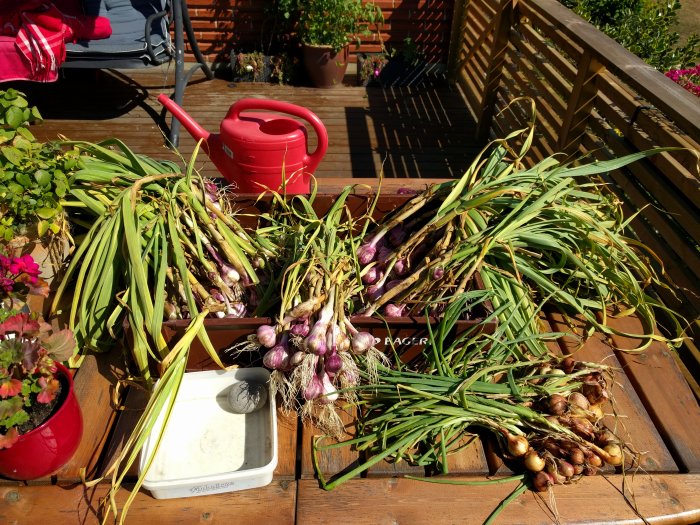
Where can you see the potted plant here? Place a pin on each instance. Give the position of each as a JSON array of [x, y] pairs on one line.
[[260, 67], [40, 420], [325, 29], [369, 69], [394, 67], [250, 67]]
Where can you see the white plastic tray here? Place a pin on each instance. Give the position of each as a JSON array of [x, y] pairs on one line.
[[206, 448]]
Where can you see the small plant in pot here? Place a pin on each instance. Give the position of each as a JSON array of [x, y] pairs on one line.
[[37, 403], [401, 66], [326, 28], [251, 67], [259, 67]]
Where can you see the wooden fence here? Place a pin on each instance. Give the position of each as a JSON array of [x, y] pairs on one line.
[[592, 97]]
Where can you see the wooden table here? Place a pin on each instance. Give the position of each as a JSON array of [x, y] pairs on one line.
[[660, 417]]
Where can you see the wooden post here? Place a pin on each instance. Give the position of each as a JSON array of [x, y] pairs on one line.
[[456, 38], [583, 94], [504, 21]]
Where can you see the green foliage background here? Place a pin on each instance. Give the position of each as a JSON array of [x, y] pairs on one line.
[[645, 27]]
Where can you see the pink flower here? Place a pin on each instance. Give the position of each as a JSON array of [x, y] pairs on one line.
[[17, 272], [24, 264], [689, 79]]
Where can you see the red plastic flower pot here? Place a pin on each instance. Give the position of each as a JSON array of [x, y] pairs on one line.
[[49, 446]]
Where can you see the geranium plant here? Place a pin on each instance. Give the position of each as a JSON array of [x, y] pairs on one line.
[[29, 386], [688, 79], [19, 276]]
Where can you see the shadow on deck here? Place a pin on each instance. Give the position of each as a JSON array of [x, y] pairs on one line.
[[409, 132]]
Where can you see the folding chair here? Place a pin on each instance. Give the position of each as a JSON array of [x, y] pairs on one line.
[[141, 38]]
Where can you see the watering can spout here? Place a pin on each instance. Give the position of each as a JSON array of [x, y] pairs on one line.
[[194, 129]]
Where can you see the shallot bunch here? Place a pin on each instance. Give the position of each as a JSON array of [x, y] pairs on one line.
[[576, 443], [313, 349]]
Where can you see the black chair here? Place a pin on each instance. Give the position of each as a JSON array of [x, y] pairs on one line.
[[141, 38]]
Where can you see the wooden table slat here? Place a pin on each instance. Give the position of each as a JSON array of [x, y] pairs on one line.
[[661, 499], [665, 394]]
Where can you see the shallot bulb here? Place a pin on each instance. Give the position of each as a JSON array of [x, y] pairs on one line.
[[361, 342], [367, 253], [276, 358], [229, 274], [517, 445], [401, 267], [313, 389], [375, 291], [297, 358], [394, 310], [236, 310], [301, 329], [384, 253], [371, 275], [333, 363], [393, 284], [316, 341], [397, 235], [170, 311], [266, 336], [341, 342], [330, 394]]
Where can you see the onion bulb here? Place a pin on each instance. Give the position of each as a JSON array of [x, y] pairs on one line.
[[517, 445], [614, 453], [557, 404], [579, 400], [533, 461], [541, 481]]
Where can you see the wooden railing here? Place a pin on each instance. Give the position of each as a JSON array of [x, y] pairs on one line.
[[592, 97]]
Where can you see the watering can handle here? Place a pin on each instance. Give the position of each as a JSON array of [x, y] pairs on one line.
[[246, 104]]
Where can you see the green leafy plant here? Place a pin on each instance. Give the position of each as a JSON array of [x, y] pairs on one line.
[[644, 27], [334, 23], [28, 352], [33, 174]]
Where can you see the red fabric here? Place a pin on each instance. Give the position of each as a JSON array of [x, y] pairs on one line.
[[41, 31], [42, 40]]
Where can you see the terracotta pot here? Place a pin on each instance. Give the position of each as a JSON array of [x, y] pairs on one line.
[[49, 446], [325, 68]]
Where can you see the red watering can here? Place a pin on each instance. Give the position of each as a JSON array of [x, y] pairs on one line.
[[257, 151]]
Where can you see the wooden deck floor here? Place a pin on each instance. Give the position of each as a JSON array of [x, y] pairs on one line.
[[416, 132]]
